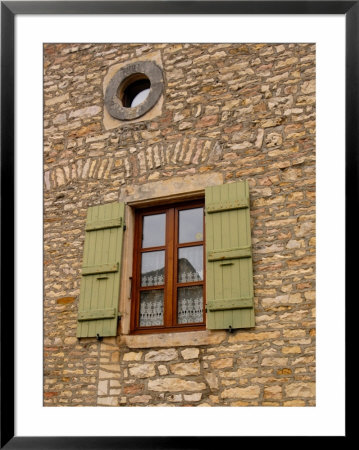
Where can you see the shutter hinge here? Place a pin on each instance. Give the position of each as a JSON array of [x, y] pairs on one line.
[[124, 227]]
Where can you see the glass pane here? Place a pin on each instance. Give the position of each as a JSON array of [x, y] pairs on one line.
[[153, 268], [190, 304], [190, 264], [190, 225], [140, 97], [151, 308], [154, 230]]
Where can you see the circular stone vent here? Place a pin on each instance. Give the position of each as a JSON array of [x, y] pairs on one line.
[[134, 90]]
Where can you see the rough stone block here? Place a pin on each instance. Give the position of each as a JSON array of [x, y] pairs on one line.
[[247, 392], [193, 397], [141, 399], [107, 401], [174, 385], [190, 353], [222, 363], [162, 355], [143, 371], [85, 112], [212, 380], [273, 392], [186, 368], [300, 390], [132, 356]]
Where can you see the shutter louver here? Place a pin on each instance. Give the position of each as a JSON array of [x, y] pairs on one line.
[[229, 285], [101, 271]]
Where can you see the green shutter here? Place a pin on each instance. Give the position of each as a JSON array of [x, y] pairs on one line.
[[229, 279], [101, 270]]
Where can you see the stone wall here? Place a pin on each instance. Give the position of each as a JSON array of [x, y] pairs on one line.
[[235, 111]]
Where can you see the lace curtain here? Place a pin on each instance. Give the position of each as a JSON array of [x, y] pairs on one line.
[[190, 304], [151, 308]]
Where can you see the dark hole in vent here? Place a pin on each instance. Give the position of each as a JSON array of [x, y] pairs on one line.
[[134, 90]]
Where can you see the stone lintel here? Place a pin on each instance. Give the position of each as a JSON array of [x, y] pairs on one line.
[[165, 189]]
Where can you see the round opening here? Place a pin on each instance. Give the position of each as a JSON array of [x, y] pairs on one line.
[[134, 90]]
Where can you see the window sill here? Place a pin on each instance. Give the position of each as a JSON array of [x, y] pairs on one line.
[[190, 338]]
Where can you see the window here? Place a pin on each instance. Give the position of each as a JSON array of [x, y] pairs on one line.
[[168, 284]]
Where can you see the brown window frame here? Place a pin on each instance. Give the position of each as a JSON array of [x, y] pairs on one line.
[[171, 284]]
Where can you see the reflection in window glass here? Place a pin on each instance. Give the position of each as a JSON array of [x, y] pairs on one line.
[[151, 308], [190, 304], [190, 225], [153, 268], [190, 264], [154, 230], [140, 97]]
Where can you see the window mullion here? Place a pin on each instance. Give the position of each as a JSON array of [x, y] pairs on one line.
[[169, 268]]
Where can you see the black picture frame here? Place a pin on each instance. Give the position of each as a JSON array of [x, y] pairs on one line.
[[9, 10]]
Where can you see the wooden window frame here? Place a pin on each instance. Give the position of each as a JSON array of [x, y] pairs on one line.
[[171, 266]]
